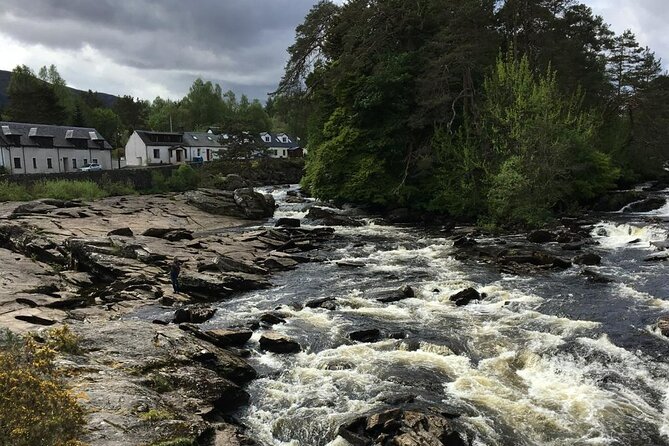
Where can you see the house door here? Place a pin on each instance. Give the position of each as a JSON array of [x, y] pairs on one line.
[[66, 165], [178, 156]]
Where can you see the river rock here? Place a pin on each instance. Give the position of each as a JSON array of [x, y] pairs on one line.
[[231, 182], [663, 325], [276, 343], [595, 277], [371, 335], [400, 215], [194, 315], [217, 286], [465, 296], [647, 205], [399, 427], [541, 236], [227, 337], [617, 200], [662, 245], [464, 241], [170, 234], [243, 203], [327, 303], [589, 259], [288, 222], [253, 204], [26, 241], [389, 296], [329, 217], [123, 232], [662, 256], [272, 319]]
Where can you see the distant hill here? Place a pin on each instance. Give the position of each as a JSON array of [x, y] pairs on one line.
[[107, 99]]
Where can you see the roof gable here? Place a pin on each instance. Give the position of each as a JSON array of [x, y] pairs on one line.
[[35, 135]]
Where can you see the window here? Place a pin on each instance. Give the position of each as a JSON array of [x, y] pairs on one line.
[[94, 161], [194, 137], [34, 163], [49, 164], [198, 152], [85, 161], [17, 163], [74, 163], [156, 153]]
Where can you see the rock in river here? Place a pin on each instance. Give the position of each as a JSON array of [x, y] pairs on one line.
[[274, 342], [465, 296], [371, 335]]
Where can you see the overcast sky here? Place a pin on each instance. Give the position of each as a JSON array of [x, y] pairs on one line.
[[149, 48]]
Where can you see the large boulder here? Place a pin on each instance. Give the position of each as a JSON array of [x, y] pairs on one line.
[[24, 240], [541, 236], [387, 296], [330, 217], [242, 203], [398, 427], [465, 296], [589, 258], [617, 200], [276, 343], [370, 335], [663, 325], [230, 182], [647, 205], [217, 286], [195, 315]]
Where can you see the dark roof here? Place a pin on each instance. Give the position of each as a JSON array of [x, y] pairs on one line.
[[30, 135], [160, 138], [276, 142], [201, 139]]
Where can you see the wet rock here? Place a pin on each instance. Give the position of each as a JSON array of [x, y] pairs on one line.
[[595, 277], [229, 264], [195, 315], [223, 337], [541, 236], [465, 296], [123, 232], [389, 296], [279, 263], [371, 335], [288, 222], [464, 242], [589, 259], [399, 427], [661, 245], [329, 217], [663, 325], [272, 319], [647, 205], [536, 258], [657, 257], [327, 303], [219, 286], [276, 343], [32, 208], [350, 264], [577, 246], [616, 201], [206, 389]]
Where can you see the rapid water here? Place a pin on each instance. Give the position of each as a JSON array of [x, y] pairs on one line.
[[547, 359]]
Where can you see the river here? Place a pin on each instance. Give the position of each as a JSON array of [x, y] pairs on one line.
[[545, 359]]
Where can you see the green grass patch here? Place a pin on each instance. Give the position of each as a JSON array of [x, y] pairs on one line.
[[154, 415]]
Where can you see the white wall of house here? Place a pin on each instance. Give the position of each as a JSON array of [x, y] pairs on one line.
[[135, 151], [278, 152], [51, 160]]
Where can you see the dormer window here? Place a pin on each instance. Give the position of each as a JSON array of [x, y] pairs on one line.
[[194, 137], [33, 132]]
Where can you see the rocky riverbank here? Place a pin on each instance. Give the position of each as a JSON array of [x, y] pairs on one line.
[[92, 265]]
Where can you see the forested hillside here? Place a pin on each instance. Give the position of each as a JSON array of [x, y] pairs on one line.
[[503, 111]]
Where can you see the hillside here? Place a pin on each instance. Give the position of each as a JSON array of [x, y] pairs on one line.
[[107, 99]]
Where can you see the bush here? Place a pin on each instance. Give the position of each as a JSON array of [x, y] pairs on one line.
[[115, 188], [62, 339], [13, 192], [36, 408], [183, 179], [68, 190]]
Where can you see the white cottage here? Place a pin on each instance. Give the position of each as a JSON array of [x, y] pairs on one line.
[[39, 148], [147, 148], [281, 145]]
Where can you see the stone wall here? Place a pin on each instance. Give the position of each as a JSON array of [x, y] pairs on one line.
[[140, 178]]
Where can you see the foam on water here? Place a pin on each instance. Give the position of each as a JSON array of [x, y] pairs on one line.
[[615, 236]]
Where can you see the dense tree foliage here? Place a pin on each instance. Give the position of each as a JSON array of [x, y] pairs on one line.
[[501, 110]]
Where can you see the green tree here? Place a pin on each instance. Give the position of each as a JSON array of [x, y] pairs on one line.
[[108, 124], [65, 98], [132, 112], [33, 100]]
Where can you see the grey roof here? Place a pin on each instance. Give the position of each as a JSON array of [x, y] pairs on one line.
[[63, 137], [201, 139], [276, 142], [160, 138]]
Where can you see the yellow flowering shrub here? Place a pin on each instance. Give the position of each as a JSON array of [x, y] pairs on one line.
[[36, 407]]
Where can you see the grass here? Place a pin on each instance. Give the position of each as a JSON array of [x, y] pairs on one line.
[[154, 415]]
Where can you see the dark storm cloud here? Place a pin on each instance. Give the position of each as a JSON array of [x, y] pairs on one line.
[[240, 42]]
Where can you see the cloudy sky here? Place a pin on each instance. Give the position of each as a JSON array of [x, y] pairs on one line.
[[149, 48]]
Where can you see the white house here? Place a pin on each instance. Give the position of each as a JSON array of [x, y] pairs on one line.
[[39, 148], [281, 145], [147, 148]]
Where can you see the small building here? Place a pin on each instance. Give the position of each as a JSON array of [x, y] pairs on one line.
[[148, 148], [281, 145], [40, 148]]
